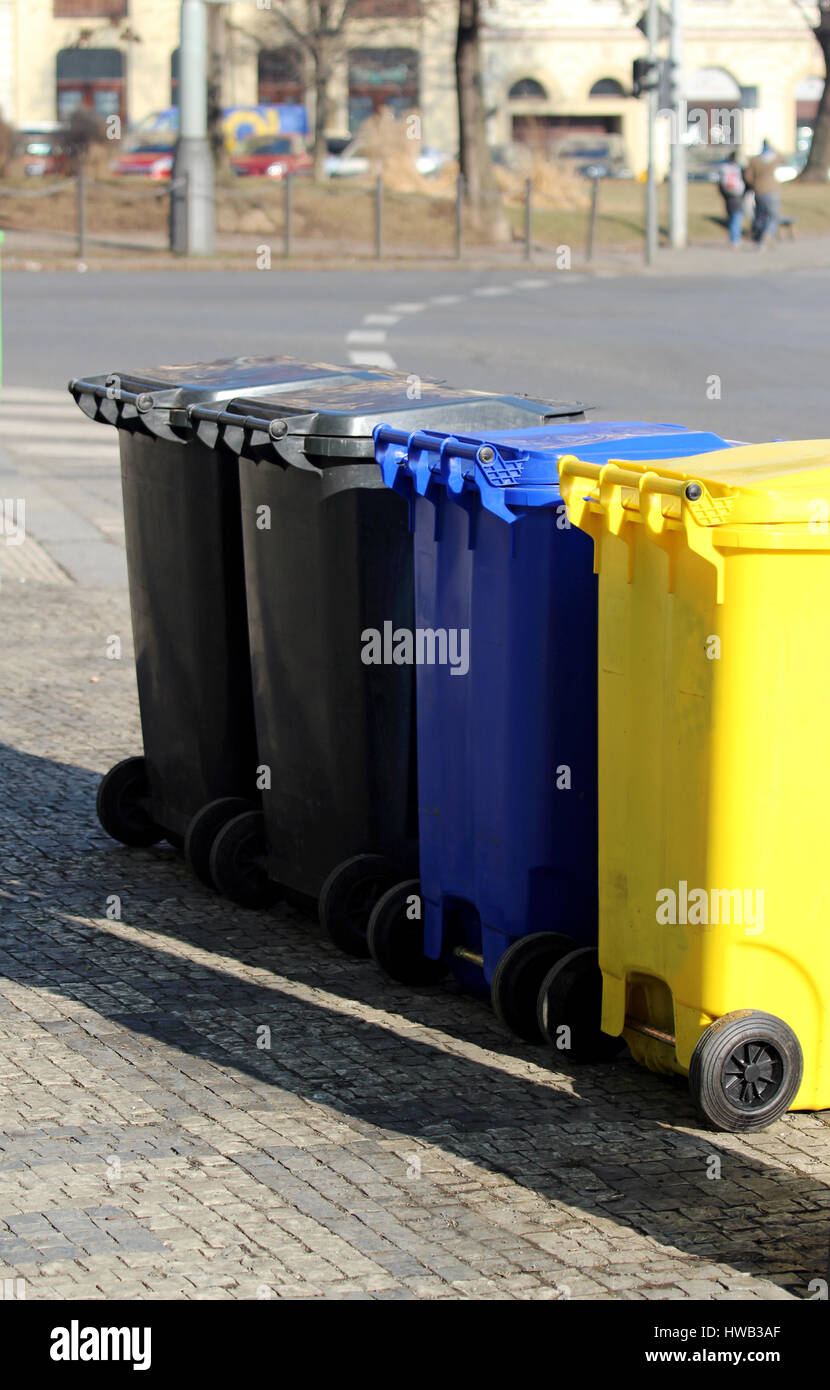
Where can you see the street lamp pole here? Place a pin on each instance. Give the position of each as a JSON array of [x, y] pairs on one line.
[[192, 205], [652, 100], [678, 219]]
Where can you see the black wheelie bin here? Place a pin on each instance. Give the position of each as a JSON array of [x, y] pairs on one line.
[[329, 569], [187, 596]]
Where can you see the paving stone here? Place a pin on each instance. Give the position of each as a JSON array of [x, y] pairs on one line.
[[148, 1149]]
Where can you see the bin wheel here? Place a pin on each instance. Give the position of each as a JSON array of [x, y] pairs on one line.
[[745, 1070], [237, 862], [348, 896], [121, 804], [518, 976], [570, 998], [203, 829], [396, 941]]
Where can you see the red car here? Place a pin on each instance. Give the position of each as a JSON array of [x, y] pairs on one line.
[[44, 153], [272, 156], [151, 161]]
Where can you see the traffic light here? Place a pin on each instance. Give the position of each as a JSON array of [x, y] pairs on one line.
[[645, 75], [668, 87]]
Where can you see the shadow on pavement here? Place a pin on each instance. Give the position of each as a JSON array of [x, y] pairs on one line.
[[608, 1149]]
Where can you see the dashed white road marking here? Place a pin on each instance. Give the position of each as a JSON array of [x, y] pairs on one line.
[[366, 335], [407, 308], [368, 358], [447, 299], [387, 319], [64, 426], [490, 291], [33, 393], [94, 451], [532, 284]]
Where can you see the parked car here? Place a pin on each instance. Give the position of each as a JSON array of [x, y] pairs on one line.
[[44, 151], [791, 168], [594, 157], [349, 160], [152, 161], [272, 156]]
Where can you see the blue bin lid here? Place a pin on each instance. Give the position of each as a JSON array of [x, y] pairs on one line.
[[517, 469]]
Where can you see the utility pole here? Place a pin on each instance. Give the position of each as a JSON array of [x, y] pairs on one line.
[[678, 221], [652, 100], [192, 205]]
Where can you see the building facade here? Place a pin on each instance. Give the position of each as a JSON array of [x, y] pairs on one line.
[[552, 68]]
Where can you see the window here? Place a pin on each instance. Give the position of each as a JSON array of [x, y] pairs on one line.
[[280, 76], [385, 9], [527, 88], [607, 87], [90, 9], [381, 77], [92, 78]]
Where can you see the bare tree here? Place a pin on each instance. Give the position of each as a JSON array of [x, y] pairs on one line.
[[818, 160], [317, 26], [480, 188]]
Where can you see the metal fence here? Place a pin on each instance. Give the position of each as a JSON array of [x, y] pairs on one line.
[[360, 221]]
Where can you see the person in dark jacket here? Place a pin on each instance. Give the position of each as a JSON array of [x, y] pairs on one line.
[[733, 190]]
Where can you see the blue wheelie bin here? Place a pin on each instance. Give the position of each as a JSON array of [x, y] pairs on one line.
[[506, 676]]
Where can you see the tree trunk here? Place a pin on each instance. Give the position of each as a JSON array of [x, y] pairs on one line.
[[215, 107], [476, 166], [818, 160], [322, 74]]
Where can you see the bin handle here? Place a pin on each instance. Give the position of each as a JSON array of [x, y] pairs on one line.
[[602, 512], [142, 400], [422, 457]]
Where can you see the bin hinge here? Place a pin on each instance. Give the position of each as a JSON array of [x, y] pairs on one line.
[[620, 498]]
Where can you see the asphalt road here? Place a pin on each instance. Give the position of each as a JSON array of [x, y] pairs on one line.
[[747, 357]]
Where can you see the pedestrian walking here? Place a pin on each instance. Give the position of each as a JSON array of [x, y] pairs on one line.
[[759, 175], [733, 190]]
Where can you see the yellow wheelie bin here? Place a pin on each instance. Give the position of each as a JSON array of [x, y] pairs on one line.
[[714, 769]]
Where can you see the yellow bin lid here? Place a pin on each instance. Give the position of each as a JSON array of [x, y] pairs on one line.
[[783, 489]]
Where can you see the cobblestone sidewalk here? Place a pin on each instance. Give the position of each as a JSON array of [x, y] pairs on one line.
[[390, 1143]]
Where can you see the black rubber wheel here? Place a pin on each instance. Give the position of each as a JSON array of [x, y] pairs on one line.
[[570, 998], [518, 976], [348, 896], [237, 862], [203, 829], [745, 1071], [121, 804], [396, 940]]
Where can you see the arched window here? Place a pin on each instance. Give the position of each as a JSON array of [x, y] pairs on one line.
[[607, 87], [381, 77], [527, 89], [92, 78], [280, 76], [713, 107], [807, 97]]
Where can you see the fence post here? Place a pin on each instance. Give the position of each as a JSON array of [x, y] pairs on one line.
[[81, 209], [178, 207], [379, 217], [459, 215], [592, 220], [528, 219], [287, 228]]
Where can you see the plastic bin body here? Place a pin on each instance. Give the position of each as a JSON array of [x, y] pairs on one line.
[[714, 747], [186, 575], [328, 558], [506, 751]]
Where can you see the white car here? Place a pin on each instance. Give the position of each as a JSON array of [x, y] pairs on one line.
[[349, 161]]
